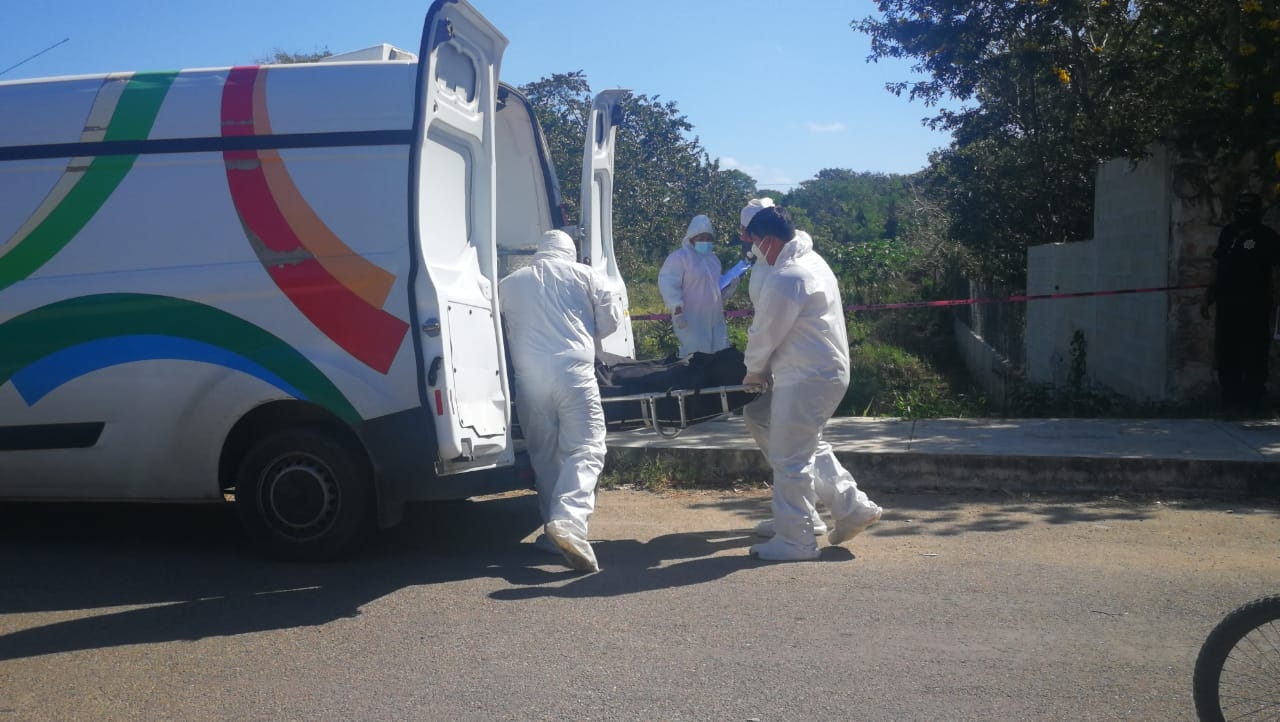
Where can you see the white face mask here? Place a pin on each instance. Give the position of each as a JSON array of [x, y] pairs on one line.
[[758, 252]]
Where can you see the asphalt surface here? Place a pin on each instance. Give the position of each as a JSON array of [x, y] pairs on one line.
[[953, 607]]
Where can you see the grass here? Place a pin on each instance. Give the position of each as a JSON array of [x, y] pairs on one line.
[[886, 380], [636, 469], [904, 364]]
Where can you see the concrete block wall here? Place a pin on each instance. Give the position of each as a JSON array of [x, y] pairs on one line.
[[1156, 224], [1132, 230], [1126, 336], [1058, 268]]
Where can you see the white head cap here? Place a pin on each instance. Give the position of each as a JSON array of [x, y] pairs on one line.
[[698, 226], [556, 244], [752, 208]]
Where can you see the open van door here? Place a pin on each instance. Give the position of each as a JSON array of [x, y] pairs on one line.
[[453, 218], [596, 224]]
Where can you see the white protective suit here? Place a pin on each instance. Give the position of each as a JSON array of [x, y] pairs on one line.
[[798, 335], [759, 269], [691, 281], [555, 308]]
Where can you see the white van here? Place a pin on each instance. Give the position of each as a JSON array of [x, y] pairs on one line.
[[277, 282]]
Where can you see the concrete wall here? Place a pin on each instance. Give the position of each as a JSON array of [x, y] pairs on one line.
[[1199, 195], [1196, 225], [987, 368], [1127, 336], [1058, 268]]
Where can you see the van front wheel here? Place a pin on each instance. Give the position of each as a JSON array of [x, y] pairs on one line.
[[303, 495]]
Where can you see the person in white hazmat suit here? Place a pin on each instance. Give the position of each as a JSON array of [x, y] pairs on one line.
[[555, 309], [798, 347], [759, 271], [690, 286]]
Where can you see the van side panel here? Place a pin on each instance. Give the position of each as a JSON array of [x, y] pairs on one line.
[[215, 240]]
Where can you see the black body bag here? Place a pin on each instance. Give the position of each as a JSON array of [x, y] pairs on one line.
[[695, 373]]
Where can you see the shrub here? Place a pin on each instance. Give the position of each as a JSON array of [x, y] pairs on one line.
[[885, 380]]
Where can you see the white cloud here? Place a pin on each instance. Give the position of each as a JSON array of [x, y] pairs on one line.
[[765, 177], [825, 127]]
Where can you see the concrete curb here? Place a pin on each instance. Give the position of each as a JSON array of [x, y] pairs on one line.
[[1191, 458]]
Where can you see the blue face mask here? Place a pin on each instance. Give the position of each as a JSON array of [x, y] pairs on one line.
[[702, 246]]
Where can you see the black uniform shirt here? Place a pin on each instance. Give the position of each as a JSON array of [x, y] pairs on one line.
[[1245, 258]]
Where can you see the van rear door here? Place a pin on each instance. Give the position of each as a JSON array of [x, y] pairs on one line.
[[452, 210], [596, 206]]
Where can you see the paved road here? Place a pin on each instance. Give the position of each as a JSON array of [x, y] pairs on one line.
[[955, 607]]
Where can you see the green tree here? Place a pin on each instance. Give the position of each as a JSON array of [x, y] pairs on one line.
[[662, 175], [561, 103], [1047, 90], [283, 57], [847, 207], [662, 178]]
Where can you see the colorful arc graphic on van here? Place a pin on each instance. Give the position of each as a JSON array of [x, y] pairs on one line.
[[44, 351], [124, 108], [334, 287], [367, 280]]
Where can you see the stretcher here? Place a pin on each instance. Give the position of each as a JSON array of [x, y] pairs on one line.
[[672, 411]]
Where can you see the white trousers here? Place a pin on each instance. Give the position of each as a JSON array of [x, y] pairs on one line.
[[563, 427], [787, 423], [705, 332]]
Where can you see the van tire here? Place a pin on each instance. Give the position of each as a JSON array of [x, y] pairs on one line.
[[304, 495]]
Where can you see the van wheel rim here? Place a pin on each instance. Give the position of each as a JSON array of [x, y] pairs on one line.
[[300, 496]]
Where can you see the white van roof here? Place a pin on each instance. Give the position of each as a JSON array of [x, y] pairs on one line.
[[381, 51]]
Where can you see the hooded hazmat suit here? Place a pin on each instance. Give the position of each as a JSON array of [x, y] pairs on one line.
[[759, 269], [690, 281], [555, 309], [798, 336]]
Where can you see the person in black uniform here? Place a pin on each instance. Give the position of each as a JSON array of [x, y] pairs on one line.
[[1247, 251]]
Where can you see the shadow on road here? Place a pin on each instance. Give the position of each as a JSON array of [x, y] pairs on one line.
[[184, 573], [950, 514], [629, 566], [164, 573]]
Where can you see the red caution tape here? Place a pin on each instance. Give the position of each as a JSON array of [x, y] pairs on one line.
[[957, 301]]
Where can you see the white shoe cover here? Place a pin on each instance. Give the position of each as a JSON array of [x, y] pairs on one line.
[[779, 550], [765, 528], [544, 544], [853, 524], [576, 550]]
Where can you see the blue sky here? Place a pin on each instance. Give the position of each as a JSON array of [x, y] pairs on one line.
[[778, 90]]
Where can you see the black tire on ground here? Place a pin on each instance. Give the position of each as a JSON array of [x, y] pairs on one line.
[[304, 495], [1253, 665]]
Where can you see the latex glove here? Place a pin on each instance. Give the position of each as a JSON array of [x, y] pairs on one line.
[[678, 320], [755, 380]]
